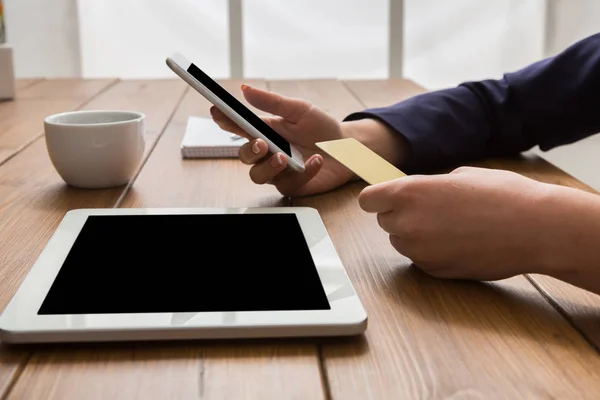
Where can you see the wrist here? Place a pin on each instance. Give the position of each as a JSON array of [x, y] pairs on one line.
[[570, 235], [378, 137]]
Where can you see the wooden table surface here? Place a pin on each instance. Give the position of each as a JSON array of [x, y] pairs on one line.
[[525, 337]]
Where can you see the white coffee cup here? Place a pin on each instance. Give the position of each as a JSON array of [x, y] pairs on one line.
[[96, 149]]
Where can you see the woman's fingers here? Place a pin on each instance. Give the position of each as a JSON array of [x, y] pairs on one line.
[[253, 151], [291, 183], [291, 109], [266, 170]]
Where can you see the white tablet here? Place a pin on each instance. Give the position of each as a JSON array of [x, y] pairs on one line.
[[166, 274]]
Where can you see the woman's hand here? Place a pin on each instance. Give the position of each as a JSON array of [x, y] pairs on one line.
[[300, 123], [485, 224]]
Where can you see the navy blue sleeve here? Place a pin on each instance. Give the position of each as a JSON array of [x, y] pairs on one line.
[[553, 102]]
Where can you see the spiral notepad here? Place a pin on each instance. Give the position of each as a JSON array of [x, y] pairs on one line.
[[204, 139]]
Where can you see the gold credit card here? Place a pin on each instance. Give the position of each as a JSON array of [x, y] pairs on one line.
[[361, 160]]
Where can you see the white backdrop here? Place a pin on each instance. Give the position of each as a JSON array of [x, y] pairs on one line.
[[132, 38], [446, 42]]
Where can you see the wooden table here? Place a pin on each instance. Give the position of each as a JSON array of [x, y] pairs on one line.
[[525, 337]]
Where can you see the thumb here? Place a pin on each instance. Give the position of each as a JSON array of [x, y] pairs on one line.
[[288, 108]]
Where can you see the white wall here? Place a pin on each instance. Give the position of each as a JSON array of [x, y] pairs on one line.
[[448, 42], [45, 37], [316, 38], [132, 38], [572, 20]]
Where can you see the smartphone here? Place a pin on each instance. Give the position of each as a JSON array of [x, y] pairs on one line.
[[251, 123]]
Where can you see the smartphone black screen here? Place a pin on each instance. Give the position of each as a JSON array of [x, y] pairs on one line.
[[239, 108]]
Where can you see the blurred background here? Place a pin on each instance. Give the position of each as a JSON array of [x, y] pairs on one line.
[[433, 42]]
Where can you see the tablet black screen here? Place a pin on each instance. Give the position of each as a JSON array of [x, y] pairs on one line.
[[187, 263]]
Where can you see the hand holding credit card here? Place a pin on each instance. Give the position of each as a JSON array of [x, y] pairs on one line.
[[361, 160]]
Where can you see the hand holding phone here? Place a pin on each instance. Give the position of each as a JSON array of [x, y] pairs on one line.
[[304, 125], [252, 124]]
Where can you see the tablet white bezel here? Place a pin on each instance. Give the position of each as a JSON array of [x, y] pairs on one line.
[[21, 323]]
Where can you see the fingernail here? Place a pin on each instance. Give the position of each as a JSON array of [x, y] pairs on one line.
[[244, 87], [316, 162], [276, 161], [255, 148]]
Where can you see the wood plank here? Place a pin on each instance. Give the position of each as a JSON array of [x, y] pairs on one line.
[[65, 89], [25, 83], [22, 119], [431, 338], [192, 370], [33, 198], [379, 93], [580, 307]]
